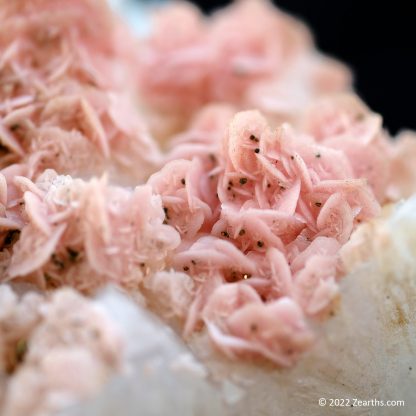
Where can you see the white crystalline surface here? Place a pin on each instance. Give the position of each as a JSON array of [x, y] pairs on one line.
[[161, 376]]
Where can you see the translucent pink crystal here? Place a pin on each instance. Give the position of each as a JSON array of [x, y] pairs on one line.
[[269, 167]]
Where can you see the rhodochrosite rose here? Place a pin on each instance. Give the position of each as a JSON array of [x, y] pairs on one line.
[[222, 174]]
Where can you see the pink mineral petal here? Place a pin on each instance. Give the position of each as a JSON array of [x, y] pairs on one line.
[[33, 250]]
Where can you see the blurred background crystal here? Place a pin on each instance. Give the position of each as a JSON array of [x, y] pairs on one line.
[[136, 13], [376, 41]]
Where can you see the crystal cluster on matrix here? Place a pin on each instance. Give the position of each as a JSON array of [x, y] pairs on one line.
[[212, 170]]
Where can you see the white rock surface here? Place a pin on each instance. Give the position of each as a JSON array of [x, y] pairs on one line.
[[161, 378]]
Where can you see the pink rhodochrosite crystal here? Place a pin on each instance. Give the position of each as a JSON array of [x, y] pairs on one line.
[[213, 171], [85, 234], [250, 55], [281, 204], [66, 96], [59, 348]]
